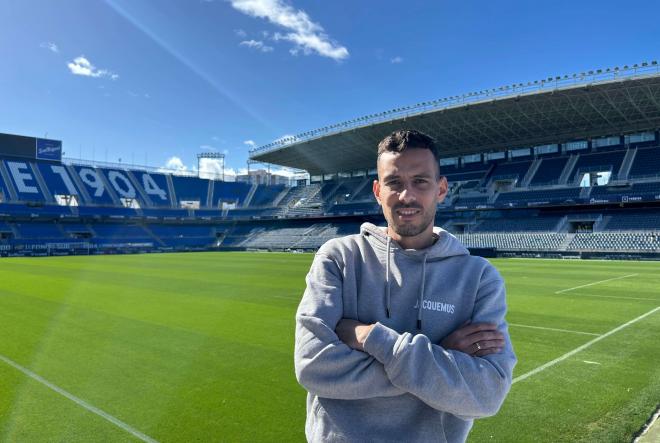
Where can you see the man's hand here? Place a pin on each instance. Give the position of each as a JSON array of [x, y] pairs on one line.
[[477, 339], [353, 333]]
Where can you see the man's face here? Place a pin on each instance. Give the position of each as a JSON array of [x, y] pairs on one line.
[[409, 188]]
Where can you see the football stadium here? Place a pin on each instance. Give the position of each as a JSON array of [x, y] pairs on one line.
[[153, 313]]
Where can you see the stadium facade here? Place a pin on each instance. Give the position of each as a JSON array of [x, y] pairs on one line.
[[567, 166]]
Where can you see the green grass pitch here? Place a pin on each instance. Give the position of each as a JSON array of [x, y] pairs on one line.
[[198, 347]]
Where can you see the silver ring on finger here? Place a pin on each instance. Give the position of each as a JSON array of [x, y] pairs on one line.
[[478, 346]]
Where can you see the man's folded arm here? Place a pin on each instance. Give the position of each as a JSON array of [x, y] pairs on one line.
[[447, 380], [325, 366]]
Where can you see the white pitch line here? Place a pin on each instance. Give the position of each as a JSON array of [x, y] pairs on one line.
[[595, 283], [552, 329], [583, 347], [617, 297], [79, 401]]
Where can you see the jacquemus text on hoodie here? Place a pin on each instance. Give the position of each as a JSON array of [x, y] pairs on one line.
[[404, 386]]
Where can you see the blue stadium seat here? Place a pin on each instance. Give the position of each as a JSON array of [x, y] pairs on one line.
[[510, 170], [122, 185], [549, 171], [94, 184], [4, 193], [24, 181], [230, 192], [155, 187], [191, 189], [57, 179], [601, 161], [265, 195], [540, 197], [646, 163]]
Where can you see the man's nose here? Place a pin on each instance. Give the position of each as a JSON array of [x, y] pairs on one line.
[[406, 196]]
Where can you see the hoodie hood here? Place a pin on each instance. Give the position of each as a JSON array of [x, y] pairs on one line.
[[446, 245]]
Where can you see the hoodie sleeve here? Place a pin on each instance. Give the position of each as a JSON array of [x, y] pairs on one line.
[[324, 365], [448, 380]]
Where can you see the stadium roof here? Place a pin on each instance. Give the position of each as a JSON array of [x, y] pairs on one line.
[[554, 110]]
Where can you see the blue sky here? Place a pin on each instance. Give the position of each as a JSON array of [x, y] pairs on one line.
[[146, 81]]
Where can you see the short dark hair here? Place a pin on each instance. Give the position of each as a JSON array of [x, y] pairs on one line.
[[403, 139]]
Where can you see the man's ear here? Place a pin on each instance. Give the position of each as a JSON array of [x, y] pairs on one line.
[[443, 188], [376, 188]]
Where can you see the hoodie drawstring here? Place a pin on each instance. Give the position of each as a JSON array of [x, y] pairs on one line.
[[388, 299], [387, 278], [421, 294]]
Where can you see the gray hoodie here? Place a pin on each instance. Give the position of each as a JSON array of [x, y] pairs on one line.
[[404, 386]]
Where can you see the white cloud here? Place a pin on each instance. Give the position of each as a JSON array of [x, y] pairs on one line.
[[250, 143], [396, 60], [210, 168], [241, 33], [50, 46], [307, 35], [285, 172], [82, 66], [256, 44], [175, 163]]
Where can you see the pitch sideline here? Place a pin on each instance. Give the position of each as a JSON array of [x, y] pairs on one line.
[[583, 347], [552, 329], [595, 283], [80, 402]]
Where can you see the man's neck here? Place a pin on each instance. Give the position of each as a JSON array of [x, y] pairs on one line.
[[417, 242]]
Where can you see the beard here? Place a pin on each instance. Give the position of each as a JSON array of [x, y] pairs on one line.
[[411, 229]]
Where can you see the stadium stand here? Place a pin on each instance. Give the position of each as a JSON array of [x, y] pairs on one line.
[[191, 189], [517, 241], [265, 195], [514, 189], [539, 197], [512, 171], [531, 224], [92, 185], [549, 171], [604, 161], [231, 193], [646, 163]]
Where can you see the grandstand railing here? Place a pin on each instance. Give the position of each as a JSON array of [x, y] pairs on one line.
[[127, 166], [555, 83]]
